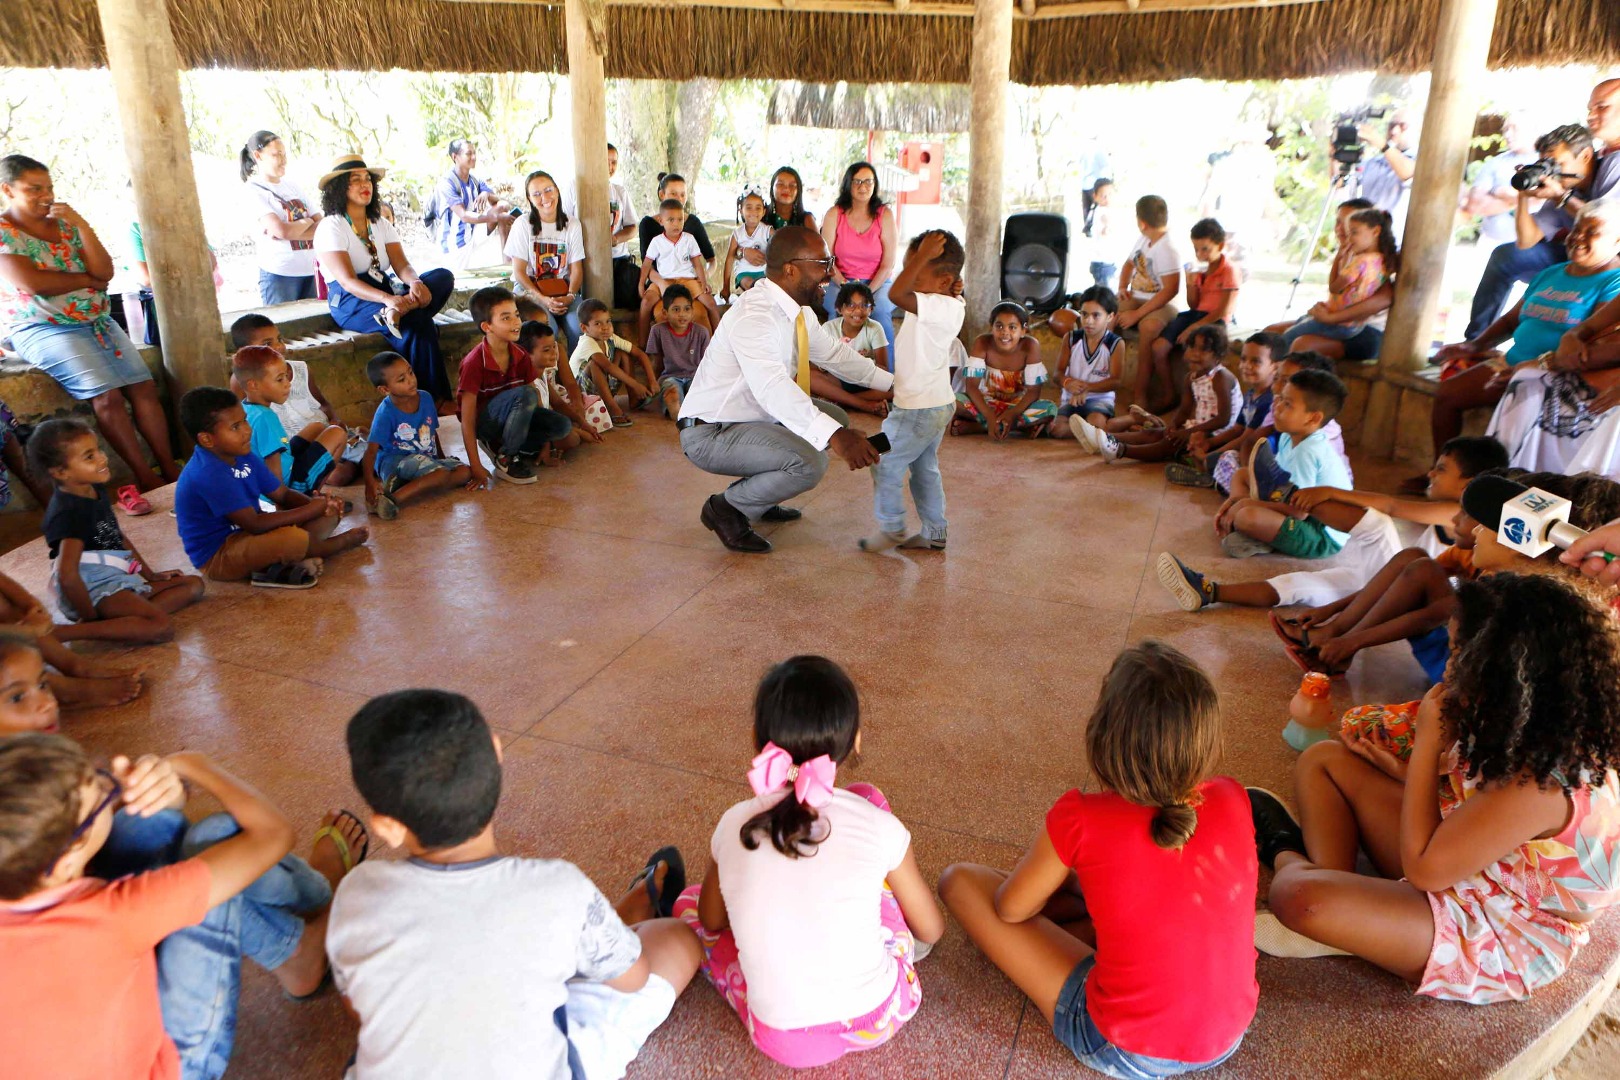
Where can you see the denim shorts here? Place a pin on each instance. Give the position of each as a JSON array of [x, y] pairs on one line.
[[86, 360], [1072, 1025], [100, 581], [403, 468], [1090, 405]]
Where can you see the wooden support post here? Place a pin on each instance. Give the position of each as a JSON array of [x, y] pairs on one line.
[[1461, 48], [146, 83], [586, 24], [990, 69]]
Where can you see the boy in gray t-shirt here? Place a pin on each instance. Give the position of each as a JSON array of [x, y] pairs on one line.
[[462, 962]]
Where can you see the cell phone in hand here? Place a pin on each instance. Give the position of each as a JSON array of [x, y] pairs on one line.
[[880, 442]]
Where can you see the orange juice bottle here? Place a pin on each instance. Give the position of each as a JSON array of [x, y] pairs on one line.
[[1310, 712]]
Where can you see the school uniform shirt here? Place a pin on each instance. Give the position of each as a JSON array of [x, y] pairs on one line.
[[287, 201], [80, 992], [1149, 263], [397, 433], [651, 227], [89, 521], [454, 191], [809, 937], [922, 354], [1091, 366], [749, 374], [269, 437], [334, 234], [209, 488], [620, 211], [674, 258], [480, 375], [1312, 462], [549, 253], [461, 970], [681, 353]]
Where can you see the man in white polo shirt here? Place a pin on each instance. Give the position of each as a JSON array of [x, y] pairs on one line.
[[749, 412]]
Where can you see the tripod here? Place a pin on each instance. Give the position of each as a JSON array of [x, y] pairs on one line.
[[1340, 178]]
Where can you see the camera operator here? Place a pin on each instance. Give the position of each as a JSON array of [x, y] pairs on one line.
[[1386, 174], [1578, 176]]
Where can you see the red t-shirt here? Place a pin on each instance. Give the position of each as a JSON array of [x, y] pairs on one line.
[[1175, 929], [479, 373], [1208, 285], [80, 991]]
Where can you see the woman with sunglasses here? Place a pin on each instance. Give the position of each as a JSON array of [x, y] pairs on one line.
[[371, 286], [864, 239]]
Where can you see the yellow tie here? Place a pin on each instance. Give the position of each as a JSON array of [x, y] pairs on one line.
[[801, 346]]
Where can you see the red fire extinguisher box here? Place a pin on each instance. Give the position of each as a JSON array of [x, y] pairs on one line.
[[927, 160]]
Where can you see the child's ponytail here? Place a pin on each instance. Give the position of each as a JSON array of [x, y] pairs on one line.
[[1388, 249], [1173, 825]]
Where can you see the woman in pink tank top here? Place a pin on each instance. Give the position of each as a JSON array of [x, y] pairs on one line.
[[861, 234]]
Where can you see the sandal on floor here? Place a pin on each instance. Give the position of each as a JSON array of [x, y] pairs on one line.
[[663, 902], [1279, 626], [283, 576], [133, 502], [330, 832], [623, 421]]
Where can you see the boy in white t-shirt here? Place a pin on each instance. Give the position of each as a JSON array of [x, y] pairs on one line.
[[1086, 369], [674, 258], [463, 962], [305, 405], [926, 289], [1147, 292]]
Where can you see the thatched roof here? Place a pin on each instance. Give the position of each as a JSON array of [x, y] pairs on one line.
[[678, 41], [939, 108]]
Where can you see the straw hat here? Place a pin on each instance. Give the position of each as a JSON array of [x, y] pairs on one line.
[[347, 163]]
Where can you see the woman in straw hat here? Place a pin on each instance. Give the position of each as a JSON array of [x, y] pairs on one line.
[[371, 285]]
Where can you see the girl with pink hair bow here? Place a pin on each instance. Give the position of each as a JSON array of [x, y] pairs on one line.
[[813, 914]]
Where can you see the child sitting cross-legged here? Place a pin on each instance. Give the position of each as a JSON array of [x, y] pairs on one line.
[[1257, 372], [1130, 921], [1493, 830], [303, 460], [813, 914], [305, 404], [1086, 363], [498, 403], [855, 328], [216, 504], [678, 344], [1210, 406], [603, 362], [404, 451], [464, 961], [1004, 375], [103, 586], [122, 928], [558, 390]]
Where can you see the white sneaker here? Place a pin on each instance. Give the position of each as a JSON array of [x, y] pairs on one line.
[[1108, 447], [1085, 433]]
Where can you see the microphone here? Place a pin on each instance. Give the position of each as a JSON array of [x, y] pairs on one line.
[[1528, 520]]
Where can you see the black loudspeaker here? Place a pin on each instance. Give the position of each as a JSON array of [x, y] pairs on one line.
[[1034, 260]]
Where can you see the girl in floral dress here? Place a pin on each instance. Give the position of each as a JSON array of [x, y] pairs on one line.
[[1498, 837], [1004, 376]]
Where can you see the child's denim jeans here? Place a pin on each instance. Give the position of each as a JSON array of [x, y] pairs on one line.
[[914, 438], [514, 422]]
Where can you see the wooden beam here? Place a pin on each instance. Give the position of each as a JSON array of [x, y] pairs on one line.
[[145, 69], [1024, 9], [989, 73], [586, 25]]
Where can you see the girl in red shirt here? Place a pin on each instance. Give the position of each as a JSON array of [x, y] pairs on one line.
[[1130, 922]]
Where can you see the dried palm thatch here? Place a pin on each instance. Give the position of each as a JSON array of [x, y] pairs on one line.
[[936, 107], [684, 42]]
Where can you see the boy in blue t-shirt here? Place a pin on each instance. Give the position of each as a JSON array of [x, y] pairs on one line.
[[403, 450], [1258, 517], [216, 504], [303, 460]]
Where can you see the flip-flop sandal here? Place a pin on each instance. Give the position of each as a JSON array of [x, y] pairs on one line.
[[283, 576], [623, 422], [1279, 626], [133, 502], [650, 398], [1297, 655], [663, 902], [332, 833]]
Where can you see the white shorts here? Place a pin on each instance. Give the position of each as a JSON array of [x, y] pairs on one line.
[[607, 1027], [1372, 543]]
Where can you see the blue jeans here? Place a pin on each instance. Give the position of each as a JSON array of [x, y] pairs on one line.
[[1105, 274], [1507, 265], [514, 422], [281, 289], [882, 310], [419, 335], [914, 438], [1072, 1025], [1333, 331]]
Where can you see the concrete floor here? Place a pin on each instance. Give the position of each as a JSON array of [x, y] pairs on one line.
[[616, 645]]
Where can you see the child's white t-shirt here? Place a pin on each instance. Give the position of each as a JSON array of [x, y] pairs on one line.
[[674, 260], [808, 932], [456, 971], [589, 349], [758, 242], [869, 339], [1149, 263], [1089, 366], [922, 352], [300, 409]]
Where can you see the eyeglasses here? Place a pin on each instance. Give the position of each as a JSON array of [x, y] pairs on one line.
[[825, 264], [114, 790], [868, 182]]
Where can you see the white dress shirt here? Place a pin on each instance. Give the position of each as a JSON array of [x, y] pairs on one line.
[[750, 371]]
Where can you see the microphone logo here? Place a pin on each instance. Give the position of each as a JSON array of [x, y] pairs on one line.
[[1516, 530]]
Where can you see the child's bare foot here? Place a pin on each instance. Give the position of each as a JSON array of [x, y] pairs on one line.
[[82, 667], [672, 401], [99, 693], [340, 845], [348, 538]]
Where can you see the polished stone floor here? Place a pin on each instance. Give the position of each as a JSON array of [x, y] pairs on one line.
[[616, 645]]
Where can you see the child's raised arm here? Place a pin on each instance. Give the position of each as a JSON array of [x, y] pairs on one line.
[[903, 290]]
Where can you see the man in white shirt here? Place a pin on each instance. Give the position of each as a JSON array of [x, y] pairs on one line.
[[749, 412]]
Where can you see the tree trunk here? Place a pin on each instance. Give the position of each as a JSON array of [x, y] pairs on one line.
[[691, 125]]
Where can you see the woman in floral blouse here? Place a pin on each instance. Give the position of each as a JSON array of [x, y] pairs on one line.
[[53, 304]]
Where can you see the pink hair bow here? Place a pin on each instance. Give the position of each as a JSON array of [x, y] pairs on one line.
[[773, 769]]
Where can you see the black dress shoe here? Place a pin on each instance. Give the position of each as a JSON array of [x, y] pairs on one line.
[[732, 527], [781, 513]]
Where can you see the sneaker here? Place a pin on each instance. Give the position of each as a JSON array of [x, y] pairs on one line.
[[514, 470], [1274, 939], [1085, 433], [1190, 588], [1188, 475], [1108, 447], [1275, 830], [881, 541], [1238, 546], [919, 542], [1269, 480]]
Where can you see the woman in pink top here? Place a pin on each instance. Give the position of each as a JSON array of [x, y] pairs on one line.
[[864, 240]]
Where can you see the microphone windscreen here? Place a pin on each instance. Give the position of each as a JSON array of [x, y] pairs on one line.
[[1485, 496]]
